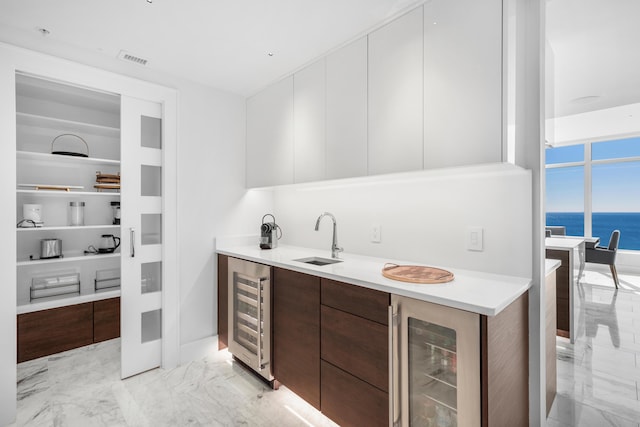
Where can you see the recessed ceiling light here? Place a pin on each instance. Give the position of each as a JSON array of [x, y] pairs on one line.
[[149, 1], [586, 99], [270, 54], [44, 31]]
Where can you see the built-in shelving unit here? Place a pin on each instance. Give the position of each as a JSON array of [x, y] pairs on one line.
[[53, 116], [67, 259], [55, 193], [63, 160], [68, 227], [42, 121]]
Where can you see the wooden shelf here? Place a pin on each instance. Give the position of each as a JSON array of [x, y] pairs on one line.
[[56, 159], [66, 227], [35, 120], [67, 259], [56, 193]]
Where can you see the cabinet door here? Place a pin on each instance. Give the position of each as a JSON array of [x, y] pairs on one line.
[[46, 332], [309, 123], [462, 82], [106, 319], [142, 241], [346, 131], [296, 333], [223, 304], [395, 95], [270, 135]]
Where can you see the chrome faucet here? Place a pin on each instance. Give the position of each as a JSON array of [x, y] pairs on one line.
[[335, 249]]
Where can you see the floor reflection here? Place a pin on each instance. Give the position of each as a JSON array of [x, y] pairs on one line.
[[598, 375]]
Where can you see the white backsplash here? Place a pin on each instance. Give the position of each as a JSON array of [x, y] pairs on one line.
[[423, 216]]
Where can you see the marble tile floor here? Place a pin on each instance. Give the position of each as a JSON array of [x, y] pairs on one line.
[[82, 388], [599, 375]]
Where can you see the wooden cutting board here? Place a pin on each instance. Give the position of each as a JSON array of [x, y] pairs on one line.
[[416, 274]]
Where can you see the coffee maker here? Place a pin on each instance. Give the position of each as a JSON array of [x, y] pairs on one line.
[[269, 233]]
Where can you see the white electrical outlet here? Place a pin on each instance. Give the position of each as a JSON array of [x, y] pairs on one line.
[[376, 230], [475, 239]]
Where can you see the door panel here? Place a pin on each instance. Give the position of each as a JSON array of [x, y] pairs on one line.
[[141, 222]]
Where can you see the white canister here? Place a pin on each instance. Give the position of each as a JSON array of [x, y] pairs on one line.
[[32, 212], [76, 213]]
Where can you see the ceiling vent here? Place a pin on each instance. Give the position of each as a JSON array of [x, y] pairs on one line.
[[126, 56]]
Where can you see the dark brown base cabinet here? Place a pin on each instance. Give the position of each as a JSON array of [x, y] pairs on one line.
[[355, 354], [47, 332], [223, 302], [504, 343], [106, 319], [562, 291], [296, 333], [331, 342]]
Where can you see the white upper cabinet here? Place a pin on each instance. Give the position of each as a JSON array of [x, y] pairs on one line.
[[270, 135], [421, 92], [309, 123], [395, 95], [463, 82], [346, 146]]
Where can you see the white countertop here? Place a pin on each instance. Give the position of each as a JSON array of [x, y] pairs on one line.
[[474, 291], [563, 242], [56, 302], [550, 265]]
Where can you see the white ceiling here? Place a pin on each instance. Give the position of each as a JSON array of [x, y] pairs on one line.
[[225, 44], [596, 45]]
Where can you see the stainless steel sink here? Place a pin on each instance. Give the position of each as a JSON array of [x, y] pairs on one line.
[[318, 261]]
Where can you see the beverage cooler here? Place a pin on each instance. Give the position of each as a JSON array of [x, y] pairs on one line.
[[435, 365], [250, 315]]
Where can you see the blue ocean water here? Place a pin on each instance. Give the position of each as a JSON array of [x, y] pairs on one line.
[[603, 224]]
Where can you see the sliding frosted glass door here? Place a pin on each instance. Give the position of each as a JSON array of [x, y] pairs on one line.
[[141, 224]]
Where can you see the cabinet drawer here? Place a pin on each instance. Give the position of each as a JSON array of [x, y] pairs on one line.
[[46, 332], [363, 302], [350, 401], [106, 319], [356, 345]]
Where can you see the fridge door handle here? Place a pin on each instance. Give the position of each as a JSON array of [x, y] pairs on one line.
[[394, 367]]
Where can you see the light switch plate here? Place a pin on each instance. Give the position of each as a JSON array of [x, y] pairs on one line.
[[376, 231], [475, 239]]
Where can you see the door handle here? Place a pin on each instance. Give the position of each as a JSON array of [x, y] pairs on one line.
[[132, 242], [394, 367]]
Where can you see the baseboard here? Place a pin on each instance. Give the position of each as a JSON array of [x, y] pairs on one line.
[[198, 349]]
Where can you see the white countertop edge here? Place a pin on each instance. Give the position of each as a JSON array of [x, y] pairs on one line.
[[551, 265], [562, 243], [64, 302], [500, 290]]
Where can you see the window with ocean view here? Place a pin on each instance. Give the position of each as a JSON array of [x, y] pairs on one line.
[[610, 170], [565, 198]]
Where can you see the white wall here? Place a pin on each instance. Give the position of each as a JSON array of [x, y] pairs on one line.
[[211, 196], [423, 216]]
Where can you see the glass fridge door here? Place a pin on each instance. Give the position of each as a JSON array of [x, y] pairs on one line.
[[433, 399], [438, 365]]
